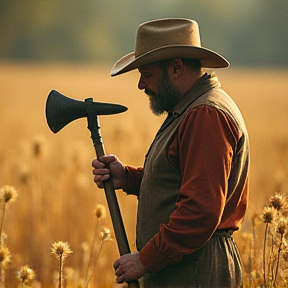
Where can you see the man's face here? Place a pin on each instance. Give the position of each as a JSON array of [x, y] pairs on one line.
[[155, 81]]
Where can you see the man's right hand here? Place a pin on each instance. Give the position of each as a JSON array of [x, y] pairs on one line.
[[109, 166]]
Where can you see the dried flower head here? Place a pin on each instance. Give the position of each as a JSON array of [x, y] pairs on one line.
[[268, 215], [106, 234], [278, 201], [8, 193], [25, 274], [281, 226], [5, 256], [100, 211], [61, 249]]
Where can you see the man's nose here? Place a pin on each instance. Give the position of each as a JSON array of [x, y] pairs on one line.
[[141, 84]]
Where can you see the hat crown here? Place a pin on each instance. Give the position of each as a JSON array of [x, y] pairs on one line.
[[166, 32]]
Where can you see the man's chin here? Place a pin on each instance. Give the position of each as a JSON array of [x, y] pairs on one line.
[[156, 111]]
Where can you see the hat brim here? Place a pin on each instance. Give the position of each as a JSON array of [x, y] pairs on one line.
[[208, 58]]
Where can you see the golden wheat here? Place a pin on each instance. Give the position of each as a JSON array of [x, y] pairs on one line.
[[53, 175]]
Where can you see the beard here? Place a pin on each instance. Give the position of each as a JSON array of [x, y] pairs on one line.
[[166, 97]]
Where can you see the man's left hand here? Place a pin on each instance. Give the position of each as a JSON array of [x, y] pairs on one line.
[[129, 267]]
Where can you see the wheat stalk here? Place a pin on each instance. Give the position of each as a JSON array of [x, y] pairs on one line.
[[61, 250]]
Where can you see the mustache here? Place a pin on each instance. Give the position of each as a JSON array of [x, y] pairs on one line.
[[150, 92]]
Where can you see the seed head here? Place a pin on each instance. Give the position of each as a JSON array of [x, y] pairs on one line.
[[8, 193], [106, 235], [100, 211], [25, 274], [5, 256], [268, 215], [278, 201], [281, 226], [61, 249]]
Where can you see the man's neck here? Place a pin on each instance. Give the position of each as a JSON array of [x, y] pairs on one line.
[[188, 81]]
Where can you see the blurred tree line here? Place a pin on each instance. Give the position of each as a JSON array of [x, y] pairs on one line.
[[247, 33]]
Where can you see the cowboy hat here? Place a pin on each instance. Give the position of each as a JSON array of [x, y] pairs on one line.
[[167, 39]]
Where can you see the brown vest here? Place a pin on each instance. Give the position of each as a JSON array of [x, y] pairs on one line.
[[162, 180]]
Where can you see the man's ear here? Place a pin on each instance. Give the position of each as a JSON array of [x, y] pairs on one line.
[[177, 65]]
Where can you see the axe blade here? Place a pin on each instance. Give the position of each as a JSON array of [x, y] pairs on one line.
[[61, 110]]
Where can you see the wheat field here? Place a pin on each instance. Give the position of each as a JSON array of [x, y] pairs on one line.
[[52, 172]]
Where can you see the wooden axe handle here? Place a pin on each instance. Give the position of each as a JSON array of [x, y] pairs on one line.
[[114, 209], [112, 202]]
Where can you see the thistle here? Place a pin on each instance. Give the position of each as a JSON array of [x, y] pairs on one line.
[[278, 201], [105, 235], [25, 275], [5, 256], [61, 250], [268, 217], [7, 194]]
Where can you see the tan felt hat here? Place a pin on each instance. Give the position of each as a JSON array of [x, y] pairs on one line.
[[168, 38]]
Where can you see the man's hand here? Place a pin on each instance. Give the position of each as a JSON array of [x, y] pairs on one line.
[[129, 267], [109, 166]]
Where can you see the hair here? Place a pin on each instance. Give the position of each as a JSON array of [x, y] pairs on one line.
[[192, 64]]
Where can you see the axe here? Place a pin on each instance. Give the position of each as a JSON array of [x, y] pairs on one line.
[[60, 111]]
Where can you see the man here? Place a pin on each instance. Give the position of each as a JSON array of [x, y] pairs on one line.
[[192, 191]]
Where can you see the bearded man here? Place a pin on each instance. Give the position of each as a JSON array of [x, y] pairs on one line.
[[193, 187]]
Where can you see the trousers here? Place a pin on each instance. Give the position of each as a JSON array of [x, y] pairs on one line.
[[216, 265]]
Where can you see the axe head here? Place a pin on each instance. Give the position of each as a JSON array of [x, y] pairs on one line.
[[61, 110]]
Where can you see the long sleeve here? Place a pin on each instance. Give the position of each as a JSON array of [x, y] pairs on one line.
[[203, 150], [133, 180]]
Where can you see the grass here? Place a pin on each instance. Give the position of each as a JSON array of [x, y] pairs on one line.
[[52, 173]]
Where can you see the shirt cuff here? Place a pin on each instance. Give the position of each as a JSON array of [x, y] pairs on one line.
[[133, 179], [152, 259]]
